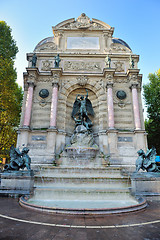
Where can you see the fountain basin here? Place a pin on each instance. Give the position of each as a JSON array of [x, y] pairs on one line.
[[85, 207]]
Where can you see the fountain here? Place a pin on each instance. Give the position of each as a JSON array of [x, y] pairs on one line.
[[81, 183]]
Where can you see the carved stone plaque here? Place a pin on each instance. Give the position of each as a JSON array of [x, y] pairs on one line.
[[38, 138], [125, 139], [81, 66]]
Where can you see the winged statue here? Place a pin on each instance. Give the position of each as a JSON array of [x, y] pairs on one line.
[[147, 161], [82, 107], [18, 159]]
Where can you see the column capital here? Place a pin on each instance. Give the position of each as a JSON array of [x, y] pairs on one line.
[[134, 85], [109, 84], [31, 83], [55, 84], [56, 72]]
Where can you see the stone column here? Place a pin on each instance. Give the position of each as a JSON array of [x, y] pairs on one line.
[[136, 111], [52, 130], [54, 104], [28, 106], [110, 105]]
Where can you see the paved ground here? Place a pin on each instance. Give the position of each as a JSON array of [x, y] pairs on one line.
[[17, 223]]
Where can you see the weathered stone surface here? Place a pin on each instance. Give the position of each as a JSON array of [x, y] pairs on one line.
[[147, 184], [17, 182]]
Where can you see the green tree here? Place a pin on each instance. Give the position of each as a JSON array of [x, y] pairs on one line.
[[10, 93], [152, 100]]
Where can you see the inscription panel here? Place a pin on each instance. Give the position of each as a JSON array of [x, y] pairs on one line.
[[125, 139], [82, 42], [38, 138]]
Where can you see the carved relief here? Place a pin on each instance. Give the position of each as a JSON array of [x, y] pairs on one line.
[[124, 80], [101, 83], [119, 48], [31, 77], [82, 80], [119, 66], [80, 66], [46, 65], [109, 77], [82, 21], [47, 47], [48, 79], [132, 77]]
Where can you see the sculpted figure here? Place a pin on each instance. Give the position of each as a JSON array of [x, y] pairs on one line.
[[57, 61], [140, 159], [34, 60], [131, 62], [147, 161], [108, 61], [18, 159], [82, 107]]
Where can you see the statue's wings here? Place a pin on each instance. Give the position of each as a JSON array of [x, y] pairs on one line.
[[14, 153], [89, 107], [75, 108]]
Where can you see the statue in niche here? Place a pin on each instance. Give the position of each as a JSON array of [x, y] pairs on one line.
[[82, 107], [34, 60], [108, 61], [18, 159], [131, 62], [147, 161], [57, 61]]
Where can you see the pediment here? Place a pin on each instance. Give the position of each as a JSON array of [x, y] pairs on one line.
[[117, 47], [46, 45], [82, 22]]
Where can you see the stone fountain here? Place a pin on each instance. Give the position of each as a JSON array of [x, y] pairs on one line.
[[81, 183]]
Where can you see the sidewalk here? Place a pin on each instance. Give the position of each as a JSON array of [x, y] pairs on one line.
[[17, 223]]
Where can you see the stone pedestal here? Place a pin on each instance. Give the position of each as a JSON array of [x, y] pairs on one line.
[[17, 183], [146, 184]]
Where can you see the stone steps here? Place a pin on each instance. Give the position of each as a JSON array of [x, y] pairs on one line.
[[80, 194], [90, 185]]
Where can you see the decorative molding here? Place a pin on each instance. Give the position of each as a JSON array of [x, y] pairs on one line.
[[50, 46], [119, 66], [48, 79], [56, 76], [46, 65], [132, 77], [100, 82], [119, 48], [82, 80], [109, 77], [83, 22], [124, 80], [81, 66]]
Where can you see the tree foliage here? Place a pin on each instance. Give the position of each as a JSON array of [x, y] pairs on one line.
[[10, 92], [152, 100]]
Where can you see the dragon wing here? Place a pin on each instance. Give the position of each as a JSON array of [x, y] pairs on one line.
[[89, 107], [75, 108], [14, 153]]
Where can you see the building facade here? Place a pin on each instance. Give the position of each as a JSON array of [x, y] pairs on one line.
[[92, 59]]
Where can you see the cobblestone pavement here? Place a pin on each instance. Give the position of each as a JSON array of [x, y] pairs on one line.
[[18, 223]]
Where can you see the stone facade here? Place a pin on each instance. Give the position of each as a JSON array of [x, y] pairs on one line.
[[83, 45]]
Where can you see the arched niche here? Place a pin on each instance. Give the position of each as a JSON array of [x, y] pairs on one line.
[[69, 122]]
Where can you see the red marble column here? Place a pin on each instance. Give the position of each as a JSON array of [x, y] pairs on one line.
[[54, 104], [28, 106], [110, 106], [137, 120]]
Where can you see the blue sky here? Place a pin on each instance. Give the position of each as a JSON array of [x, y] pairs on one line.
[[135, 21]]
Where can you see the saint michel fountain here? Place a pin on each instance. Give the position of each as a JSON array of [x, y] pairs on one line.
[[82, 122]]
